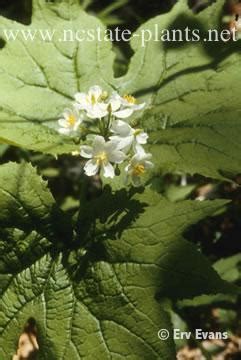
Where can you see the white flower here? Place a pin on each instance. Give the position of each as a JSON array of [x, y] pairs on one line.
[[138, 166], [101, 155], [123, 107], [70, 122], [126, 135], [93, 102]]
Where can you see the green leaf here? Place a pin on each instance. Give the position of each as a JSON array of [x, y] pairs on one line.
[[192, 115], [96, 293], [35, 137], [78, 322], [154, 245], [35, 90], [203, 136], [106, 303], [229, 270], [177, 193], [30, 221]]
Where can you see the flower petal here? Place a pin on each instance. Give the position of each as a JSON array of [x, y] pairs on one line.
[[139, 106], [86, 151], [67, 112], [96, 91], [97, 111], [142, 138], [140, 151], [115, 101], [123, 114], [123, 144], [91, 168], [121, 128], [108, 171], [76, 125], [81, 99], [116, 157], [99, 140], [63, 123], [98, 144], [64, 131], [148, 165]]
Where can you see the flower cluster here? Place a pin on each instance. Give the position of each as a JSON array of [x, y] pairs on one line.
[[102, 121]]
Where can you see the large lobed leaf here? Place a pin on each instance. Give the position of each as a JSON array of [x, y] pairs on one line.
[[192, 88], [37, 88], [108, 309]]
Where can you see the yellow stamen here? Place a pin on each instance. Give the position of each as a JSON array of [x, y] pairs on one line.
[[71, 120], [101, 158], [137, 132], [130, 99], [104, 95], [93, 100], [138, 170]]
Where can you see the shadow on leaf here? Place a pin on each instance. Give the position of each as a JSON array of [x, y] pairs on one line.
[[218, 51], [105, 217]]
